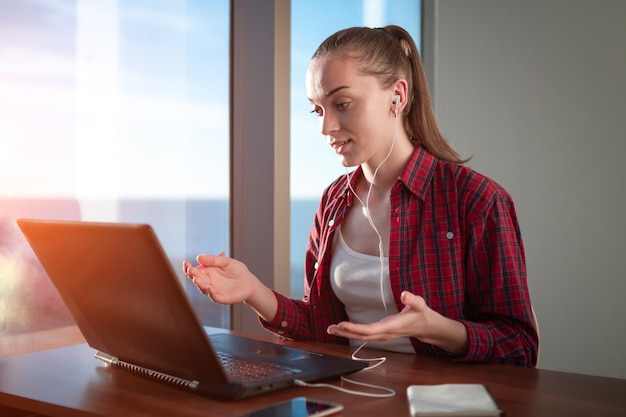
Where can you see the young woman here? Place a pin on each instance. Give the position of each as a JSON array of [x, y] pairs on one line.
[[412, 251]]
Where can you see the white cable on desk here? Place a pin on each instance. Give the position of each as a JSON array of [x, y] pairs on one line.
[[388, 391]]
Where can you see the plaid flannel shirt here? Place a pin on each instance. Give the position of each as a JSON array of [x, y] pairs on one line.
[[454, 240]]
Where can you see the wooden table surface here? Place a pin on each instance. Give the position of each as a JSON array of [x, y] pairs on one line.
[[69, 381]]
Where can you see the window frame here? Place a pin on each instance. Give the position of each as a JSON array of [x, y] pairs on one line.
[[260, 144]]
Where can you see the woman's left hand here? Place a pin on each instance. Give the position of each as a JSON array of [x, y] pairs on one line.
[[415, 320], [410, 322]]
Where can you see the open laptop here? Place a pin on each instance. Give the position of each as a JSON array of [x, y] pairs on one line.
[[130, 306]]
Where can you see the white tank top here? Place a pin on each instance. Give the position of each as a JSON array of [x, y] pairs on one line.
[[355, 279]]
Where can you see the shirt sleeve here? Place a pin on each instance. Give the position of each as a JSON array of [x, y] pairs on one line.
[[500, 324], [291, 320]]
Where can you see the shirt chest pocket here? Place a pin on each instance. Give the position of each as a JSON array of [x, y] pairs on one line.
[[436, 254]]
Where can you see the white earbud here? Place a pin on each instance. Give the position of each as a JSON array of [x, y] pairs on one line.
[[396, 100]]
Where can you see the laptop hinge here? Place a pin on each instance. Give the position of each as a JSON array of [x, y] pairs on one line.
[[145, 372]]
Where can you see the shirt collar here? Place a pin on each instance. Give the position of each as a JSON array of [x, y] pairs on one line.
[[419, 171], [416, 175]]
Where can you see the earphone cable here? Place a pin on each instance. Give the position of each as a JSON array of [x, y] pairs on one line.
[[367, 210]]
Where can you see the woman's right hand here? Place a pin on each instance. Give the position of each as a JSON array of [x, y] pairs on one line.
[[228, 281], [225, 280]]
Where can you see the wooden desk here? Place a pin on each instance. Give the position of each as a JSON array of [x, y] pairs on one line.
[[68, 382]]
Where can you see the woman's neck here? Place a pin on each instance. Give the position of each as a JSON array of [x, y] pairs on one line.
[[384, 173]]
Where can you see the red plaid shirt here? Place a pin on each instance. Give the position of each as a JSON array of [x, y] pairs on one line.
[[454, 240]]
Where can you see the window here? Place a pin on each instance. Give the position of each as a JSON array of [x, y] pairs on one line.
[[111, 111], [311, 23]]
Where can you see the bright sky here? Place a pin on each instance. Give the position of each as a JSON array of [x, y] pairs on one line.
[[113, 99]]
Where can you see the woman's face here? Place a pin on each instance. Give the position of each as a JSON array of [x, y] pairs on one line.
[[356, 115]]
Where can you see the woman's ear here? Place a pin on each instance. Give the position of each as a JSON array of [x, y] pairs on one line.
[[399, 95]]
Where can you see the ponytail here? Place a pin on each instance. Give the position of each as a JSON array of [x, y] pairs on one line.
[[419, 121]]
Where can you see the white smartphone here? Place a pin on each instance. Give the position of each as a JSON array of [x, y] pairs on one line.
[[298, 407]]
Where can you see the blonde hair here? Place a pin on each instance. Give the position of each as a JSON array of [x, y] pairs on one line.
[[388, 54]]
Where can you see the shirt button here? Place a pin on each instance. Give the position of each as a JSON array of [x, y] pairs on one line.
[[331, 222], [280, 332], [316, 265], [283, 323], [450, 235]]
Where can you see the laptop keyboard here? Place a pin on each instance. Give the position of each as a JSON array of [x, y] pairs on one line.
[[249, 371]]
